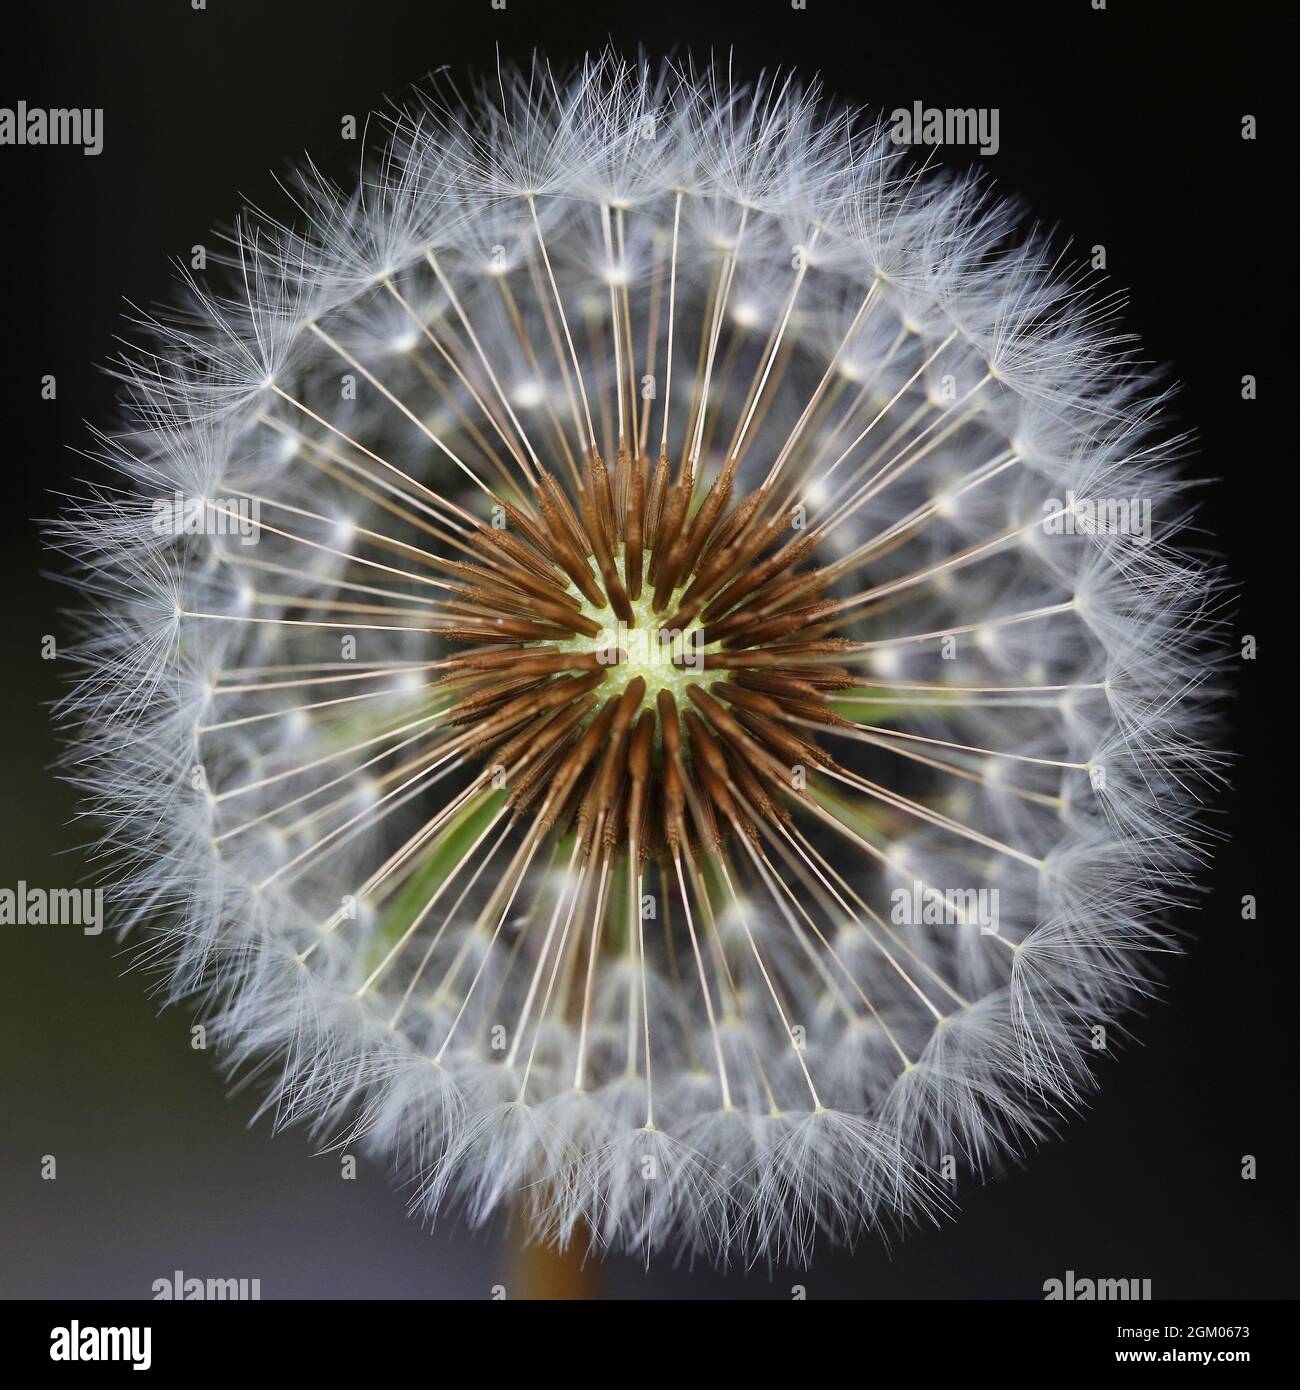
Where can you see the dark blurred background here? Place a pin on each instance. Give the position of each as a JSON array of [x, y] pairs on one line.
[[1122, 126]]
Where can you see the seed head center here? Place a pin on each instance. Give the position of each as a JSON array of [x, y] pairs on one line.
[[666, 658]]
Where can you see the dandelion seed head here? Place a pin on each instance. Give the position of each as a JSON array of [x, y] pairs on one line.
[[651, 763]]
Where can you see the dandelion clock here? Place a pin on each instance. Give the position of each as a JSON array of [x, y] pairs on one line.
[[637, 664]]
